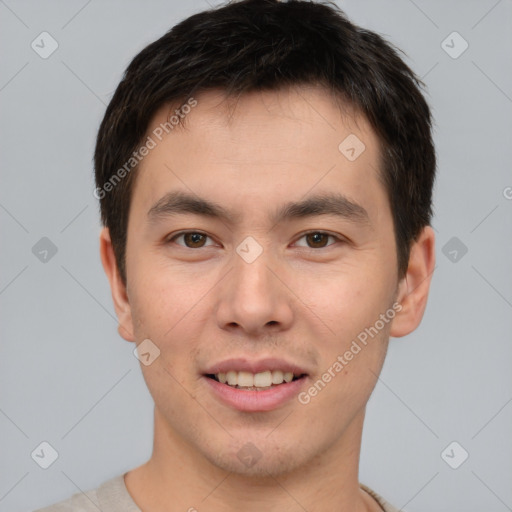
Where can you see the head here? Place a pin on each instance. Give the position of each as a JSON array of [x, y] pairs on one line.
[[265, 175]]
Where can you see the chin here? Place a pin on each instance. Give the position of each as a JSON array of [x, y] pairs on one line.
[[263, 469], [258, 459]]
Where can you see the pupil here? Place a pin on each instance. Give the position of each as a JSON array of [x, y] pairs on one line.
[[317, 238], [194, 238]]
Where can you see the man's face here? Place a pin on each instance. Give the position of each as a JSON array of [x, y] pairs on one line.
[[255, 290]]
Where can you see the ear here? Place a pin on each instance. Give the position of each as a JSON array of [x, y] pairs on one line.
[[117, 287], [414, 287]]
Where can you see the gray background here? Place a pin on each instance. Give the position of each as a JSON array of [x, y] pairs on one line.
[[67, 378]]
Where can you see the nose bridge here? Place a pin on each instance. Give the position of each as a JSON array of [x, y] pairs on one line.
[[253, 298], [253, 277]]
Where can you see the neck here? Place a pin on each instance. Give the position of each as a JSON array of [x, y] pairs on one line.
[[177, 477]]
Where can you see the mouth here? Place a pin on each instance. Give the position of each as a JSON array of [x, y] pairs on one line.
[[261, 381], [255, 386]]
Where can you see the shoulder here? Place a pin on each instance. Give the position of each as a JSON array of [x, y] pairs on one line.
[[111, 496], [386, 507], [79, 502]]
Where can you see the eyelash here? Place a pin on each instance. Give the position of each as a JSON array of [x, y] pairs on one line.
[[182, 233]]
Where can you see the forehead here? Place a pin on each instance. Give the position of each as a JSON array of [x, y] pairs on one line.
[[272, 145]]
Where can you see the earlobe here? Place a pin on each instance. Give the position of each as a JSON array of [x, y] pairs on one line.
[[414, 288], [117, 287]]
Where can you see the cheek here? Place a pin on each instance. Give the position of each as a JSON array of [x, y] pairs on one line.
[[160, 300], [348, 300], [171, 312]]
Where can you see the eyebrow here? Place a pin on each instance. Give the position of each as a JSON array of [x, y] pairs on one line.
[[336, 204]]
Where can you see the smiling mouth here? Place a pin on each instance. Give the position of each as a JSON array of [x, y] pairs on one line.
[[255, 381]]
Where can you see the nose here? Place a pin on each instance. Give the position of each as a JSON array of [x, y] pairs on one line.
[[253, 299]]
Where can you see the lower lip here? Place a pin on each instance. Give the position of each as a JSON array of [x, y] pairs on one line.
[[256, 401]]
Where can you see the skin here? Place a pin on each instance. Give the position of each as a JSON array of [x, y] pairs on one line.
[[302, 299]]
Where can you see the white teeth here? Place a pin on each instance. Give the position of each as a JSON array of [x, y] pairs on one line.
[[277, 377], [245, 379], [232, 378], [263, 379]]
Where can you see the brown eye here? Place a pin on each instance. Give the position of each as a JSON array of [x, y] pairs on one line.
[[317, 239], [192, 239]]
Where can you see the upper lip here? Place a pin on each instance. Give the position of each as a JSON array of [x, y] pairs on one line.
[[241, 364]]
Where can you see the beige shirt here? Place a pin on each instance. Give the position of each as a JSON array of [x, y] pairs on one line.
[[112, 496]]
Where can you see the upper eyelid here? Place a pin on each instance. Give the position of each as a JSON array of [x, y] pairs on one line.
[[181, 233], [328, 233]]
